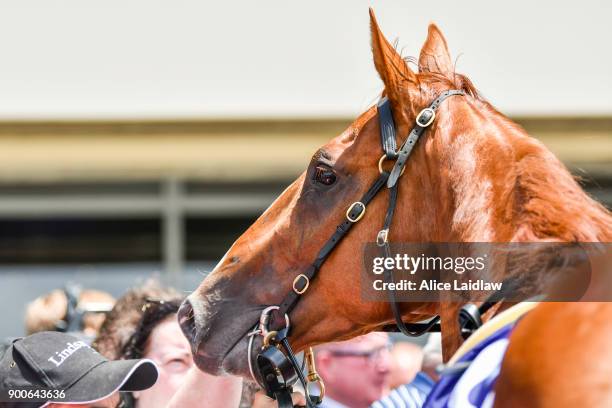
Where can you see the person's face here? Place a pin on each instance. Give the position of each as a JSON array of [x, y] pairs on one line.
[[357, 373], [169, 349], [110, 402]]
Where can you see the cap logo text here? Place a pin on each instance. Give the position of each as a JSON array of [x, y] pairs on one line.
[[61, 356]]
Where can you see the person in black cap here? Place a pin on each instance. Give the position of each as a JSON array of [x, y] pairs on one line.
[[50, 369]]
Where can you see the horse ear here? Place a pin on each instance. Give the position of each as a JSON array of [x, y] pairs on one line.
[[390, 65], [434, 54]]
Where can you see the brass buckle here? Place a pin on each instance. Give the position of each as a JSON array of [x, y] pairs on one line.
[[382, 160], [380, 163], [269, 337], [295, 281], [360, 216], [433, 116]]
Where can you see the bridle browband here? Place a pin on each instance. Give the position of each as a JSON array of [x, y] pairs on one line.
[[273, 364]]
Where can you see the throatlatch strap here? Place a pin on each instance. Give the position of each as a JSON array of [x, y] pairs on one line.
[[408, 329]]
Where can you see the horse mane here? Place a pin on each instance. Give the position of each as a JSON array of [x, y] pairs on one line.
[[550, 202]]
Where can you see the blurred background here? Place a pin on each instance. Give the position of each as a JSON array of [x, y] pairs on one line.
[[141, 138]]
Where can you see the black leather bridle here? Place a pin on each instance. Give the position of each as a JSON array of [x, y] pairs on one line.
[[278, 370]]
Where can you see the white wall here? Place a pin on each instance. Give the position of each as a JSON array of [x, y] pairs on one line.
[[195, 58]]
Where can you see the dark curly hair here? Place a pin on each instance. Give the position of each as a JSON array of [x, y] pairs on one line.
[[154, 311], [126, 330], [125, 318]]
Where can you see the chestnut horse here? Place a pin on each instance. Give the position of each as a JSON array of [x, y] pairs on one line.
[[474, 177]]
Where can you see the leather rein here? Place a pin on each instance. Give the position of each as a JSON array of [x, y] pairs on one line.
[[275, 370]]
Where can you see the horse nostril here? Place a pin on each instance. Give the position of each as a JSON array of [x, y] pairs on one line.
[[186, 320]]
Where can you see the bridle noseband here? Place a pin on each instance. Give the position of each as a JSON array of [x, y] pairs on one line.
[[277, 370]]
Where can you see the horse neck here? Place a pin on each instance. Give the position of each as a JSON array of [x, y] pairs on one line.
[[480, 178], [494, 183]]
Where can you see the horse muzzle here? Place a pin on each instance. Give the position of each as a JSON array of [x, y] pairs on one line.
[[217, 333]]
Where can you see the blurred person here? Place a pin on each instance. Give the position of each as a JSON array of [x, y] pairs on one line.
[[355, 372], [414, 393], [206, 391], [411, 394], [432, 357], [69, 372], [249, 393], [144, 324], [406, 361], [70, 310], [159, 338]]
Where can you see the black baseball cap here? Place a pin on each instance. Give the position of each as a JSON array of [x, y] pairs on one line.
[[59, 361]]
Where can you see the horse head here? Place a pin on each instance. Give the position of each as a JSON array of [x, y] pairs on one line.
[[463, 182]]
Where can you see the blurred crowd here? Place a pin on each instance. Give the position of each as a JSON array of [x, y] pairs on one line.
[[135, 355]]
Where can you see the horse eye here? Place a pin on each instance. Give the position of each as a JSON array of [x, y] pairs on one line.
[[324, 175]]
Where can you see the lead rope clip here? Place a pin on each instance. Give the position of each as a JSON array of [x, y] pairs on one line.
[[312, 374]]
